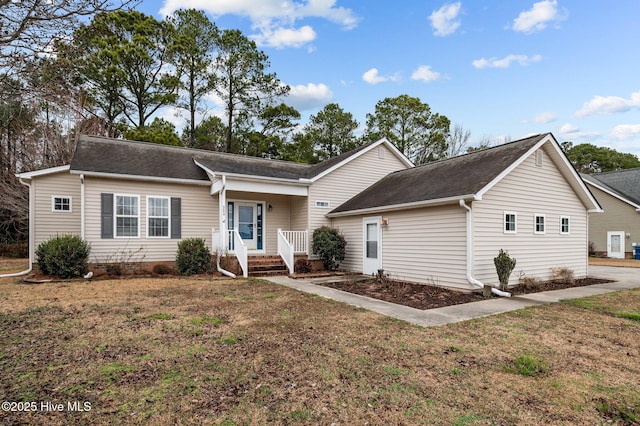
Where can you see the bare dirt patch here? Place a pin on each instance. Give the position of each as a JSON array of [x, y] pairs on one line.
[[425, 296], [186, 351]]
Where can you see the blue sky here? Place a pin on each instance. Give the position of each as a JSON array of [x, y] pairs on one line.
[[501, 69]]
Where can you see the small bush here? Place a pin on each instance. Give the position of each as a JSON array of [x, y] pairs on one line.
[[302, 266], [530, 284], [504, 267], [65, 256], [592, 248], [562, 275], [193, 257], [330, 246]]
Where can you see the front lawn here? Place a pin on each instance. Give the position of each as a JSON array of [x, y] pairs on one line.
[[187, 351]]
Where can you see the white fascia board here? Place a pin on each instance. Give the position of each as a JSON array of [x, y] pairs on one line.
[[253, 185], [50, 170], [404, 206], [347, 160], [613, 194], [141, 178]]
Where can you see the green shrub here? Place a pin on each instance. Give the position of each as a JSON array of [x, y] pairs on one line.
[[65, 256], [504, 267], [193, 257], [330, 246]]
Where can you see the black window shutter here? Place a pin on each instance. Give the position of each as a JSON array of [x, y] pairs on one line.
[[107, 216], [176, 223]]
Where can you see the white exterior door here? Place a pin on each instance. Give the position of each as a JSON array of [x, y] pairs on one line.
[[372, 246], [615, 244], [246, 220]]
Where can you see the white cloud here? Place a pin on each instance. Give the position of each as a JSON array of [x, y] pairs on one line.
[[506, 61], [286, 37], [543, 118], [373, 77], [273, 19], [310, 96], [538, 17], [444, 20], [609, 105], [424, 73], [569, 131], [625, 131]]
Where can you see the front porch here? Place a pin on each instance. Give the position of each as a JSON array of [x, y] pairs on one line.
[[289, 245]]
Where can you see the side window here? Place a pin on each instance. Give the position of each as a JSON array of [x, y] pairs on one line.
[[61, 203], [510, 223], [158, 214], [565, 227], [539, 224]]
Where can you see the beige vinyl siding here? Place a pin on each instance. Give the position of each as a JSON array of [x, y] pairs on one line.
[[199, 215], [426, 245], [348, 180], [617, 216], [529, 190], [278, 217], [48, 223], [299, 213]]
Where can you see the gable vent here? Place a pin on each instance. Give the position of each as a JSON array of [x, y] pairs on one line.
[[539, 158]]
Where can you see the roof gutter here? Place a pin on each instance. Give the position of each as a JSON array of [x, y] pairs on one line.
[[31, 235], [470, 277]]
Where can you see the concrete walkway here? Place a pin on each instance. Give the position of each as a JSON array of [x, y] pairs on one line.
[[625, 278]]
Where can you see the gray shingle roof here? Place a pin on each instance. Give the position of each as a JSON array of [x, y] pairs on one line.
[[625, 183], [454, 177], [115, 156]]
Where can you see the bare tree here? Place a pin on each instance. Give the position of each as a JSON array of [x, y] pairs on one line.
[[457, 141]]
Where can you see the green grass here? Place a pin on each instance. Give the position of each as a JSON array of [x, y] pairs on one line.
[[526, 366]]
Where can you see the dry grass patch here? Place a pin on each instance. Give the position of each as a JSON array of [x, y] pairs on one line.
[[605, 261], [183, 351]]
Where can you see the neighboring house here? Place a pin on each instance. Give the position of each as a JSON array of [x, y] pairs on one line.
[[133, 197], [614, 232], [444, 222]]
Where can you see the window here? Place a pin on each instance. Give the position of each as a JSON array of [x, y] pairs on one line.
[[158, 217], [539, 224], [60, 204], [564, 225], [127, 215], [509, 223], [322, 204]]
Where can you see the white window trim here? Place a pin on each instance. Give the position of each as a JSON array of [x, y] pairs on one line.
[[504, 222], [328, 206], [159, 217], [535, 224], [53, 204], [115, 216], [568, 225]]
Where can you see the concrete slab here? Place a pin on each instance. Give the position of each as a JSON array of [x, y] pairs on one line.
[[625, 278]]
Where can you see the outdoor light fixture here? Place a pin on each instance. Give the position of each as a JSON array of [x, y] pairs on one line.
[[384, 221], [269, 207]]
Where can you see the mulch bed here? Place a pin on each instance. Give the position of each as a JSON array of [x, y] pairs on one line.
[[421, 296]]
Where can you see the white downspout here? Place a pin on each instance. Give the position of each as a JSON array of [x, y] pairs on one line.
[[222, 203], [82, 217], [470, 277], [31, 235]]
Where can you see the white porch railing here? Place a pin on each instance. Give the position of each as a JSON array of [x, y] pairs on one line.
[[290, 243], [240, 248], [233, 242], [298, 239], [285, 250]]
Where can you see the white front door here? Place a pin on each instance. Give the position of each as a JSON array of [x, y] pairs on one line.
[[372, 246], [615, 244], [246, 220]]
